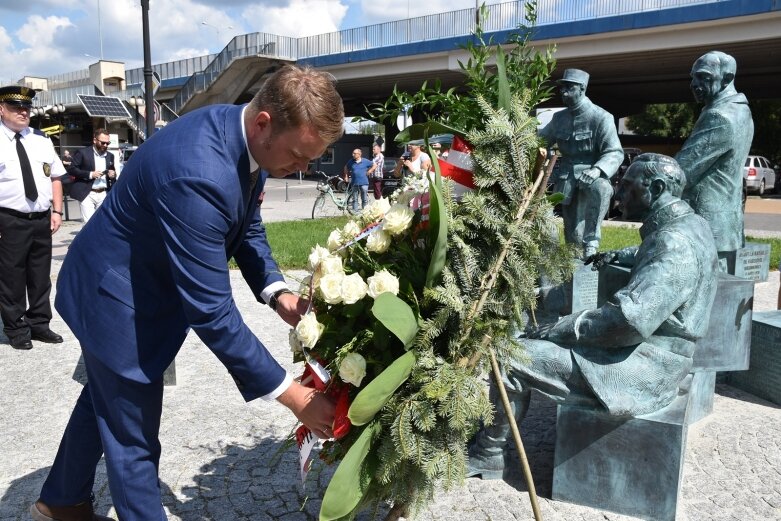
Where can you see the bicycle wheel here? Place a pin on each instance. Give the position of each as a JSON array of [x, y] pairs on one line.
[[348, 202], [328, 204]]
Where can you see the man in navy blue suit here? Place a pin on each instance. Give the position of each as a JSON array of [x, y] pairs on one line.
[[153, 263]]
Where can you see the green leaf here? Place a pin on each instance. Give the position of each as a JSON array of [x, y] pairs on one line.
[[505, 96], [346, 487], [437, 226], [372, 398], [556, 198], [397, 316], [424, 130]]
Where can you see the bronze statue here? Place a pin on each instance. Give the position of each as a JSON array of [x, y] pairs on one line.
[[628, 356], [590, 155], [714, 154]]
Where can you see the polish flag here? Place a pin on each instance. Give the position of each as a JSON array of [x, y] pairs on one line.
[[458, 167]]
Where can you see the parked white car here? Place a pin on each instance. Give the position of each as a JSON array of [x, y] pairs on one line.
[[760, 175]]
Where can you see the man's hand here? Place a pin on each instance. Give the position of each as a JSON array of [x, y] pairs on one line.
[[95, 175], [55, 223], [290, 307], [601, 259], [313, 408], [589, 175], [541, 332], [112, 174]]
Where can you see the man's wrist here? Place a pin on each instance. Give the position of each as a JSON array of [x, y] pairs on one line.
[[273, 302], [58, 212]]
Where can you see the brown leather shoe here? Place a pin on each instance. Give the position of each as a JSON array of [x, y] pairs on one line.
[[40, 511]]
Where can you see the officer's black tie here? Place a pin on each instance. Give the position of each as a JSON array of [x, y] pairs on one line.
[[30, 191]]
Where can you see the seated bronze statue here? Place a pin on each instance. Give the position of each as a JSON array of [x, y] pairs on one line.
[[628, 356]]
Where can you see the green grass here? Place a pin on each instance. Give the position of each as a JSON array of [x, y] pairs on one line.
[[291, 241]]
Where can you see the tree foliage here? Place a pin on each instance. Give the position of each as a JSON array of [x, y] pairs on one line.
[[666, 120]]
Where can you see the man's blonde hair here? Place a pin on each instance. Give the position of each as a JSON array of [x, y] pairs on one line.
[[295, 96]]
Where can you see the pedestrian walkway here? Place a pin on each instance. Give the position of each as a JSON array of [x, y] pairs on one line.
[[225, 460]]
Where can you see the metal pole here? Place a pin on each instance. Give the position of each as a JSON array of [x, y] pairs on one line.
[[287, 199], [148, 94], [100, 32]]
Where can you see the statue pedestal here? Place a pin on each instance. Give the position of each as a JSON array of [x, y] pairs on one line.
[[750, 262], [763, 377], [632, 466]]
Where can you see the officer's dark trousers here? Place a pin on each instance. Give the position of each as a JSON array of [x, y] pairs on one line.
[[25, 266]]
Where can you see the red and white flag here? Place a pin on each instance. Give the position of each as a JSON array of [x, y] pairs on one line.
[[458, 166]]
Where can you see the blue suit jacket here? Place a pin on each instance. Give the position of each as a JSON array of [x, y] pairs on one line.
[[153, 262]]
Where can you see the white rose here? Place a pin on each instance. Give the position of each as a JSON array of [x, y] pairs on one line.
[[353, 288], [331, 287], [351, 229], [295, 343], [316, 256], [375, 211], [331, 264], [383, 282], [398, 219], [352, 369], [335, 240], [309, 330], [378, 241]]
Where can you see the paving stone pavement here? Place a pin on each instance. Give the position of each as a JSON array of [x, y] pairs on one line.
[[227, 460]]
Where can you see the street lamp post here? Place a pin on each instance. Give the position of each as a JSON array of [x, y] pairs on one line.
[[136, 102]]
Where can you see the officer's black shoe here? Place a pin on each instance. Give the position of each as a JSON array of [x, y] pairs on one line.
[[48, 336], [21, 342]]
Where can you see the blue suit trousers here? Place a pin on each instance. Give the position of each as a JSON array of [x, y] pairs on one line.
[[118, 418]]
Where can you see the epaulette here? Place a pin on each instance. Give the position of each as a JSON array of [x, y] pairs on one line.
[[38, 132]]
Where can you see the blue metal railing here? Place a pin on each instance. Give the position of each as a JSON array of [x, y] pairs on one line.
[[203, 70], [499, 17]]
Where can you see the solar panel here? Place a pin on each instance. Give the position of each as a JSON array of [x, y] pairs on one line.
[[103, 106]]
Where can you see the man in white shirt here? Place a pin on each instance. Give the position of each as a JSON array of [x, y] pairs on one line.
[[30, 212], [93, 170]]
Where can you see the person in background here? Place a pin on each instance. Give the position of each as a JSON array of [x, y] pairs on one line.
[[94, 174], [379, 166], [30, 213], [357, 172]]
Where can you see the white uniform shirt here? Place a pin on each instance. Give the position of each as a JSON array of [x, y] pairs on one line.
[[100, 166], [40, 152]]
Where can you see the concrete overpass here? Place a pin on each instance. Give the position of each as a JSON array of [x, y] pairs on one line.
[[637, 51]]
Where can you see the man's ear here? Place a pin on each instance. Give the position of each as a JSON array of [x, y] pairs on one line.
[[727, 78], [658, 187], [262, 124]]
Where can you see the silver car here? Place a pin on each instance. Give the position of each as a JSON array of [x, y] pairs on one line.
[[759, 174]]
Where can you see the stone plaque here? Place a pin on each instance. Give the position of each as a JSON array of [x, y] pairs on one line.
[[585, 288], [753, 261], [763, 377]]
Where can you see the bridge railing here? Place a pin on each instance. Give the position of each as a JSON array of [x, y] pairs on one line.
[[253, 44], [499, 17]]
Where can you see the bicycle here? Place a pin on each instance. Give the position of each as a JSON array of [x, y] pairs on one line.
[[329, 202]]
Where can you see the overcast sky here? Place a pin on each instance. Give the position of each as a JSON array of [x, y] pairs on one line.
[[48, 37]]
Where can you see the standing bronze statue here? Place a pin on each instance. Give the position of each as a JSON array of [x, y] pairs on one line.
[[628, 356], [714, 154], [590, 155]]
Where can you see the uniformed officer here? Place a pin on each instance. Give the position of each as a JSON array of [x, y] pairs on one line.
[[590, 155], [30, 212]]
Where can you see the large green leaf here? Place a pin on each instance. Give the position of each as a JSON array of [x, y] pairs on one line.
[[424, 130], [372, 398], [437, 226], [346, 487], [397, 316], [503, 84]]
